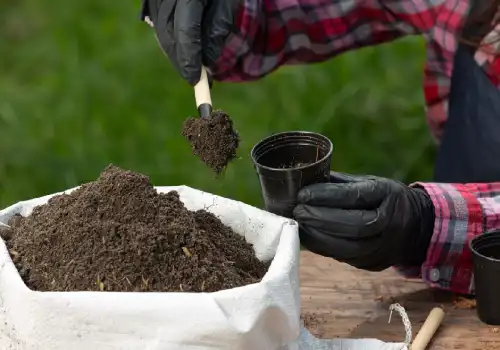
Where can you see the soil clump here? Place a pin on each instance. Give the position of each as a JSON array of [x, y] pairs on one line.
[[313, 323], [212, 139], [119, 234], [464, 303]]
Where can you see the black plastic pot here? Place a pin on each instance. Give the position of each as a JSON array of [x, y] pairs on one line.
[[288, 161], [486, 258]]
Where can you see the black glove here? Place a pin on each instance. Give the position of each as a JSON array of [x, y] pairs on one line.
[[191, 32], [369, 222]]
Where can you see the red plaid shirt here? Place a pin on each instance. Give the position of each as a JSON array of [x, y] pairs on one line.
[[462, 212], [272, 33]]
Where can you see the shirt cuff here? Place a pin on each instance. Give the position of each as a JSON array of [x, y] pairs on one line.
[[459, 218]]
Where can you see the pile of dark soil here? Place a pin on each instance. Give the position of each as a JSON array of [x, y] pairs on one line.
[[213, 139], [118, 234]]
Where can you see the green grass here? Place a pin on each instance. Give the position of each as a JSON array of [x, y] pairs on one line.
[[83, 84]]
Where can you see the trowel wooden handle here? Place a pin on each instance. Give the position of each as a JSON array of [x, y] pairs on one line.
[[428, 329], [202, 95]]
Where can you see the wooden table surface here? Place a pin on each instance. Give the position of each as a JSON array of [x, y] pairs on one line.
[[351, 303]]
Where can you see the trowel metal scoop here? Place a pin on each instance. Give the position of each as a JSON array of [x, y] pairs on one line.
[[202, 95]]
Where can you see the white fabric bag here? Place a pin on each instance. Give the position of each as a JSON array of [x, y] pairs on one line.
[[261, 316]]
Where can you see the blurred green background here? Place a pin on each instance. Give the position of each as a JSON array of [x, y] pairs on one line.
[[83, 84]]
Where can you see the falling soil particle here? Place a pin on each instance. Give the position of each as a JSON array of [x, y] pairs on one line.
[[313, 323], [212, 139], [464, 303], [118, 234]]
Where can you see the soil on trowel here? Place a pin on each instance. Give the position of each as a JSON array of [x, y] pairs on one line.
[[119, 234], [212, 139]]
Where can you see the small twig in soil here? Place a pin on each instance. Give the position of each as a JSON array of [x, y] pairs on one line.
[[128, 281], [246, 274], [206, 208], [100, 283], [145, 282], [187, 252]]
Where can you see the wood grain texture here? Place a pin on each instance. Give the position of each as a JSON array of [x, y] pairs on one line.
[[354, 304]]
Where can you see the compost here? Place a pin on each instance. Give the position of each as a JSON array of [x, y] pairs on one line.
[[212, 139], [119, 234]]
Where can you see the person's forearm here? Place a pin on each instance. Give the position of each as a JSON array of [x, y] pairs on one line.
[[462, 212], [272, 33]]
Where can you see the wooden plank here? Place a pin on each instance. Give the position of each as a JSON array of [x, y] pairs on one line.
[[348, 304]]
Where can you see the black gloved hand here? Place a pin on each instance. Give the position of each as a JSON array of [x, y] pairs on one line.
[[369, 222], [191, 32]]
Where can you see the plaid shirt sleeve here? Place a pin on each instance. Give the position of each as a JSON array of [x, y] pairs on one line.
[[272, 33], [462, 212]]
